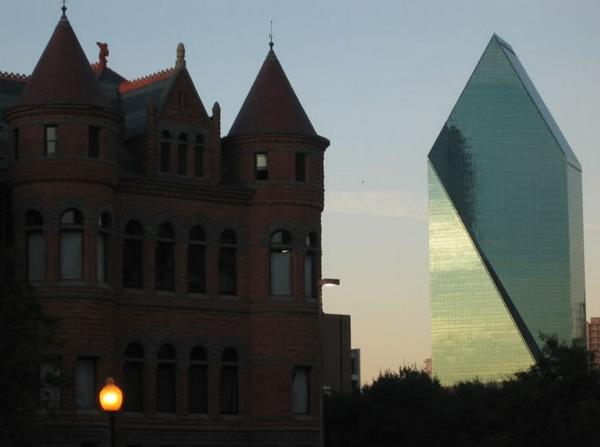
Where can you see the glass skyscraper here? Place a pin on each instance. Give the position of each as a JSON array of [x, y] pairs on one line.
[[505, 227]]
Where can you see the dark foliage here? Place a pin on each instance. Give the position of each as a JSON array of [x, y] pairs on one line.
[[25, 335], [554, 403]]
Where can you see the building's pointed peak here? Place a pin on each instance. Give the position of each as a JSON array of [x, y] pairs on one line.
[[271, 106], [502, 42], [63, 74]]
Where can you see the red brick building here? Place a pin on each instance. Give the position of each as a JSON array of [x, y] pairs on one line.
[[593, 338], [183, 263]]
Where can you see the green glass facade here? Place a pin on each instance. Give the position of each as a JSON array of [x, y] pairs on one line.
[[505, 227]]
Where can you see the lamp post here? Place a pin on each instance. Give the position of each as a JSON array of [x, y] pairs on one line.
[[324, 282], [111, 399]]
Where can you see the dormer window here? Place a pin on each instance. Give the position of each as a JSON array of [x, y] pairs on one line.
[[262, 172], [199, 156], [182, 154], [165, 152], [50, 139], [183, 100]]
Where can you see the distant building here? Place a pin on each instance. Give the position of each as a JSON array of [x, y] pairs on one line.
[[355, 369], [594, 338], [505, 227], [341, 365], [427, 367]]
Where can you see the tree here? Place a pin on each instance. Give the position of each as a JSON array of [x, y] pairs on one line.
[[555, 402], [25, 335]]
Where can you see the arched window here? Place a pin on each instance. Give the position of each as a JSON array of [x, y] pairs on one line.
[[36, 246], [165, 258], [165, 151], [229, 382], [132, 255], [182, 153], [198, 380], [281, 263], [165, 380], [102, 247], [310, 261], [133, 375], [228, 263], [199, 156], [71, 244], [197, 261]]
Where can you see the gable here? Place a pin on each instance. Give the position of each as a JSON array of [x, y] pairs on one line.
[[180, 100]]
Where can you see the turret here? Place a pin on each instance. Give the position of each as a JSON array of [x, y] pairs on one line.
[[272, 140], [65, 132]]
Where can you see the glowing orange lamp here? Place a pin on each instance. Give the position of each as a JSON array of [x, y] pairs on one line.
[[111, 399], [111, 396]]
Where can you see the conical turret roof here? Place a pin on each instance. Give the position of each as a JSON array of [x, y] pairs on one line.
[[271, 106], [63, 74]]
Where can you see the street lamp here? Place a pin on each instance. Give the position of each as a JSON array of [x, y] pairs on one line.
[[324, 282], [329, 282], [111, 399]]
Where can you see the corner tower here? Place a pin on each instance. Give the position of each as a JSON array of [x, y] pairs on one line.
[[64, 132], [505, 227], [273, 148]]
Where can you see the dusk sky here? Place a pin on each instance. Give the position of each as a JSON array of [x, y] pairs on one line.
[[379, 80]]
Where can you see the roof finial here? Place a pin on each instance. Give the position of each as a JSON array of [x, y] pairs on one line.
[[180, 62], [64, 9], [103, 54], [271, 36]]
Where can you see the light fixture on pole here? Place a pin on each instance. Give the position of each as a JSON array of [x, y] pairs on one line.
[[329, 282], [111, 400]]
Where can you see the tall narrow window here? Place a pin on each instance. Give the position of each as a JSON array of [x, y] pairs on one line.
[[229, 382], [262, 172], [36, 246], [71, 244], [133, 375], [197, 261], [199, 156], [281, 263], [300, 167], [94, 142], [50, 139], [165, 152], [50, 381], [102, 247], [182, 153], [183, 100], [132, 255], [85, 382], [300, 390], [165, 258], [16, 144], [165, 380], [228, 263], [198, 380], [310, 273]]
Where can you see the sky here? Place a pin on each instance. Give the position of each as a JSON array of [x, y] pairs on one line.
[[379, 80]]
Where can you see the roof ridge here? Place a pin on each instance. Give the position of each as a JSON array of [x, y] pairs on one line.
[[146, 80], [6, 76]]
